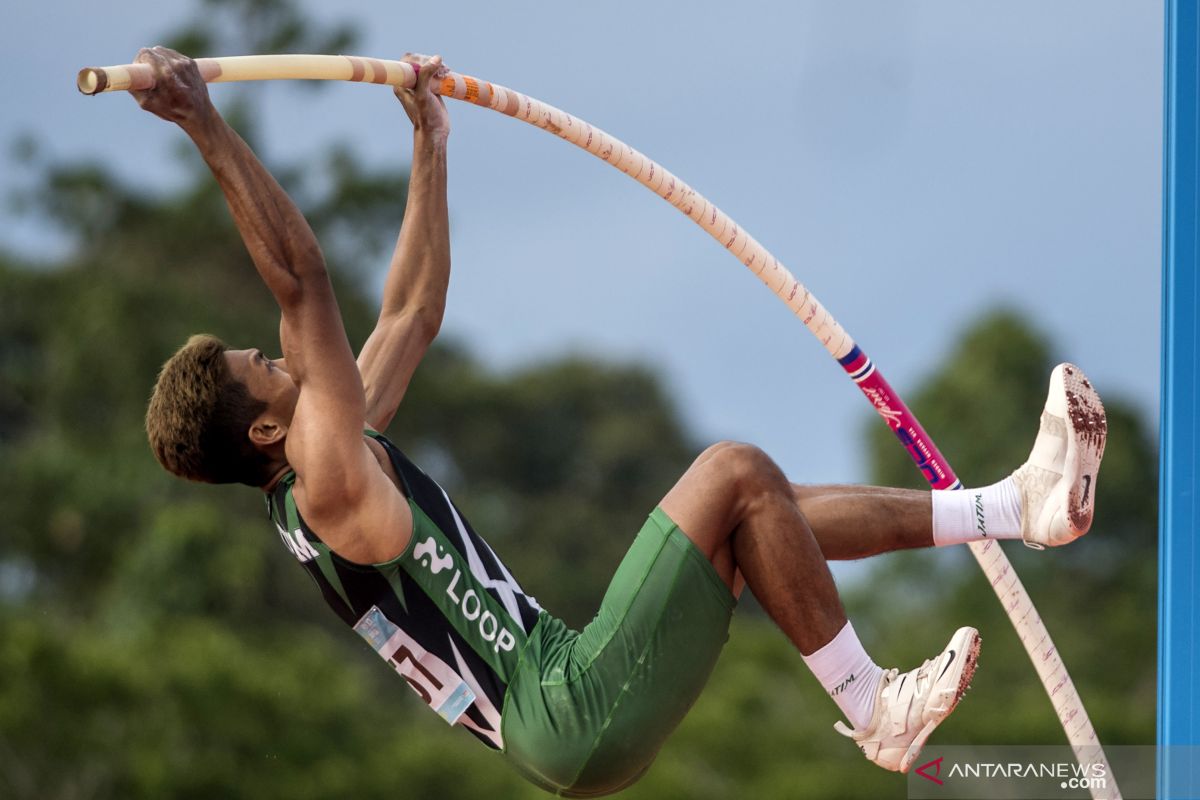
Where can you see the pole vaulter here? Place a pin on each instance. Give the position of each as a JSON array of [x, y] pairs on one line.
[[734, 238]]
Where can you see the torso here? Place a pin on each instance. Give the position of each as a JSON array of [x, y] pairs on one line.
[[444, 611]]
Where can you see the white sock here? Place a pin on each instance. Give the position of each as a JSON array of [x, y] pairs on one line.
[[971, 515], [848, 674]]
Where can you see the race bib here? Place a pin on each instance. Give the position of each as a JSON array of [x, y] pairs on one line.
[[439, 686]]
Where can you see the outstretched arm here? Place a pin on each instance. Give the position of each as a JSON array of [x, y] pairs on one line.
[[414, 295], [324, 440], [278, 238]]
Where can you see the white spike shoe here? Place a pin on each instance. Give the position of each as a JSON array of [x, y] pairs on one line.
[[911, 705], [1058, 481]]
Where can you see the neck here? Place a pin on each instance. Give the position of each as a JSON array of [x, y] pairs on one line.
[[276, 476]]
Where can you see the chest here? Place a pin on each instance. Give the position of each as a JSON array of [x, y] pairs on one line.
[[385, 463]]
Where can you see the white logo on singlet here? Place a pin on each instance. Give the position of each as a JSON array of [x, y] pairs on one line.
[[435, 564], [297, 545], [470, 603]]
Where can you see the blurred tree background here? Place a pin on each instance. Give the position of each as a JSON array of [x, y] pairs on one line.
[[156, 641]]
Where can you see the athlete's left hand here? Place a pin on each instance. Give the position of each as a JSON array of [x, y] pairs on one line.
[[426, 109]]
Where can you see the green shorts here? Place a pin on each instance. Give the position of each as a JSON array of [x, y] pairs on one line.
[[587, 711]]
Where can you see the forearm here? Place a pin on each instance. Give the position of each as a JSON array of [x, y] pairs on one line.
[[277, 236], [420, 268], [414, 293]]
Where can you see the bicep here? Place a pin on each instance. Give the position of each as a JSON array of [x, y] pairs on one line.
[[387, 363], [321, 362], [325, 438]]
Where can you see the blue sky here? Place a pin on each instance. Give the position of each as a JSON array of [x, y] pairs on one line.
[[913, 163]]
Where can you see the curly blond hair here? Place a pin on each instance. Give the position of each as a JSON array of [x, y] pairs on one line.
[[199, 417]]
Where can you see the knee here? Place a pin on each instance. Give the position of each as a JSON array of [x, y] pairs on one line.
[[746, 467]]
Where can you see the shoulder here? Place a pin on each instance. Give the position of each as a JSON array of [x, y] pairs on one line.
[[360, 513]]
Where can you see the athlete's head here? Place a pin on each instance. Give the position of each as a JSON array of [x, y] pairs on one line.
[[219, 415]]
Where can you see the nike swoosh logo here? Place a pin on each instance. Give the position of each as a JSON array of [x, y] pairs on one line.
[[1087, 487], [948, 663]]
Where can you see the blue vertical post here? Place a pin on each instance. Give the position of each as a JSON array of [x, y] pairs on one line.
[[1179, 547]]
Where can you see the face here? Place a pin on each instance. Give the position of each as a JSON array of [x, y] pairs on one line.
[[267, 379]]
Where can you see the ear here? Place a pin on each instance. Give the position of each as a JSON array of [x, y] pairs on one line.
[[267, 431]]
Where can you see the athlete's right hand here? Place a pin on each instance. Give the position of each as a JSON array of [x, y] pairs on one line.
[[179, 95]]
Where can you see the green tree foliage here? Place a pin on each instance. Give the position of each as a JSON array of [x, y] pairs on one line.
[[158, 642]]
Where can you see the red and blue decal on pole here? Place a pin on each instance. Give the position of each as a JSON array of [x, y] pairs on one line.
[[900, 419]]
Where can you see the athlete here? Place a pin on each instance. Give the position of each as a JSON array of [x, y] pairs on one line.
[[579, 713]]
